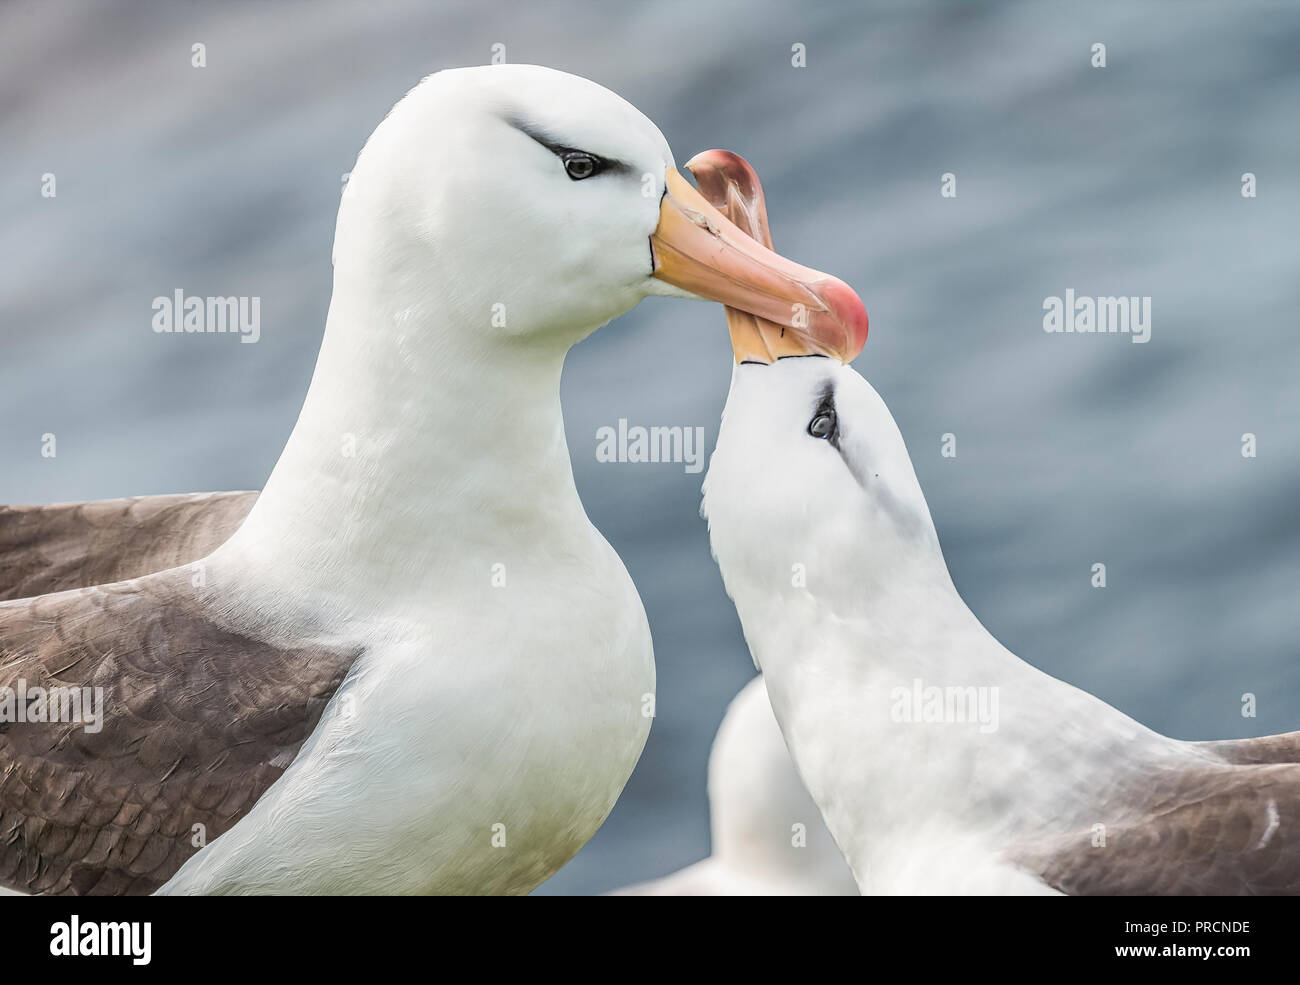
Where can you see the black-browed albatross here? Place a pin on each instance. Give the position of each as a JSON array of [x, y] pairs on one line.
[[415, 666], [941, 762]]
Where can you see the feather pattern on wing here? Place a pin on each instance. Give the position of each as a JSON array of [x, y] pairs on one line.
[[199, 718], [45, 549]]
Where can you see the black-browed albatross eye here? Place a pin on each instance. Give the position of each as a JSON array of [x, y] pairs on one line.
[[579, 164], [824, 425]]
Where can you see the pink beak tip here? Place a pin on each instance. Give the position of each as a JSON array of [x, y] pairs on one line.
[[847, 308]]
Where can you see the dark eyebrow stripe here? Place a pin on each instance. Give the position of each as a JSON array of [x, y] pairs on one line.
[[826, 398], [559, 149], [826, 404]]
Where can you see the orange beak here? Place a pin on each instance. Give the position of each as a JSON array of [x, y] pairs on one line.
[[775, 307]]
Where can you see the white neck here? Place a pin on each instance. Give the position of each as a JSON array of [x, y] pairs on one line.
[[426, 443], [835, 678]]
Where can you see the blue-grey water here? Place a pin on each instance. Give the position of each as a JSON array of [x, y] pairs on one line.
[[1071, 449]]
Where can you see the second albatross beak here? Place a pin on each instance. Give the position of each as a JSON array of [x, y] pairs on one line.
[[698, 249]]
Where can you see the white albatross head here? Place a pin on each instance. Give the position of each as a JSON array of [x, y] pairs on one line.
[[495, 217], [810, 493], [811, 497], [524, 203]]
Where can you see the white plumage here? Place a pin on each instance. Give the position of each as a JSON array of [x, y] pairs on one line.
[[424, 508], [941, 762], [416, 666], [768, 835]]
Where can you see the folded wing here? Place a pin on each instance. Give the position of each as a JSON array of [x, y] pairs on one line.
[[46, 549], [199, 718], [1219, 830]]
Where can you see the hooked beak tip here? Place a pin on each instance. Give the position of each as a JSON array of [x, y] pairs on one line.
[[715, 243], [849, 311]]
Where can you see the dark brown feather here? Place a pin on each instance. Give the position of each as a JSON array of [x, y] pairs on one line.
[[199, 720], [1284, 748], [45, 549], [1212, 829]]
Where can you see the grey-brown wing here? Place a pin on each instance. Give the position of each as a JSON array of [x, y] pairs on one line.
[[1219, 831], [197, 722], [45, 549], [1282, 748]]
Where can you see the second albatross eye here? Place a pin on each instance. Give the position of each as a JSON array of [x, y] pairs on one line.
[[579, 164], [823, 425]]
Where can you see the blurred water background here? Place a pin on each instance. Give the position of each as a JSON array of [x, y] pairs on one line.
[[1123, 180]]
